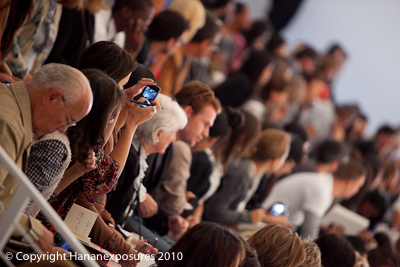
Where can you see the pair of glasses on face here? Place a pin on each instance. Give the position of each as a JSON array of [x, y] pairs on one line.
[[70, 122]]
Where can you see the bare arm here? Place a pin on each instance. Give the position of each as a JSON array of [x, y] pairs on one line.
[[76, 171], [136, 116], [130, 93]]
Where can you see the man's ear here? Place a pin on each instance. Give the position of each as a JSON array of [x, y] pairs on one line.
[[334, 165], [275, 162], [51, 95], [189, 111], [158, 133], [171, 41], [348, 183]]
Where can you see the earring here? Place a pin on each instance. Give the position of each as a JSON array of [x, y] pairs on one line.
[[157, 141]]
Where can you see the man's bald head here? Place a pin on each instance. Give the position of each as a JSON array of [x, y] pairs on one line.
[[61, 91], [69, 80]]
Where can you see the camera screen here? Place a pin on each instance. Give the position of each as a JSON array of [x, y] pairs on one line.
[[277, 209], [149, 93]]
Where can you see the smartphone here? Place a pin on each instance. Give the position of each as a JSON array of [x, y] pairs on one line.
[[277, 209], [66, 246], [150, 92]]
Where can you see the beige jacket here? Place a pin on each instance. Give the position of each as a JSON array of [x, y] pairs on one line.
[[171, 195], [15, 138]]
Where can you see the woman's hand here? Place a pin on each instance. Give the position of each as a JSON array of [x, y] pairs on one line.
[[88, 165], [177, 226], [138, 115], [137, 89], [131, 260], [149, 249], [281, 220], [258, 215]]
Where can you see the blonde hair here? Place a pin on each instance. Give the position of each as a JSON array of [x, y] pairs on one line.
[[193, 11], [278, 246], [313, 254], [361, 261], [95, 6], [271, 144]]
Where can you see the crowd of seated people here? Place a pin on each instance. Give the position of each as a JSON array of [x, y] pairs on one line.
[[240, 124]]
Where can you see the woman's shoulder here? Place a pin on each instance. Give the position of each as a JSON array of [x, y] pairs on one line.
[[239, 165], [238, 170]]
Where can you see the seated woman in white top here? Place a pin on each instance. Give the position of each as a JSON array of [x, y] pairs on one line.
[[308, 196]]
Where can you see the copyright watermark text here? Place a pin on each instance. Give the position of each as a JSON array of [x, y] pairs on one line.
[[53, 257]]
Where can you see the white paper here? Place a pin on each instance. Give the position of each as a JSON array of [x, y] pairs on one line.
[[80, 220], [250, 226], [145, 261], [353, 222]]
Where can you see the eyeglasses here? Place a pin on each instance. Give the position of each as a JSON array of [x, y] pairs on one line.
[[70, 122]]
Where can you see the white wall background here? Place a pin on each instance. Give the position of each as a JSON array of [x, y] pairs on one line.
[[370, 32]]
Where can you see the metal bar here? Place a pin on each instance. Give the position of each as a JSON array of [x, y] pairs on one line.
[[46, 209]]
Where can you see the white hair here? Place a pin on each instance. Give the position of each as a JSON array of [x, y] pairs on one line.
[[169, 119], [69, 80]]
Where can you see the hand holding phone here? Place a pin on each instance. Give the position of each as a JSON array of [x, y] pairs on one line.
[[277, 209], [147, 103], [150, 92]]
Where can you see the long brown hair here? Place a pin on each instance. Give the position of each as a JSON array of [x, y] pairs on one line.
[[89, 132], [244, 131], [272, 144], [251, 259], [19, 12], [108, 57], [206, 245]]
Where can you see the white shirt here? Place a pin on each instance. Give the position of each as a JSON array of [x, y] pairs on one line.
[[106, 30], [255, 107], [254, 183], [300, 192], [215, 177], [138, 181]]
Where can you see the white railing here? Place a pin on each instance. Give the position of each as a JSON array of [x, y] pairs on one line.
[[10, 216]]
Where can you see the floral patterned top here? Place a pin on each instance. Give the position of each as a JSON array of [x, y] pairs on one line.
[[93, 185]]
